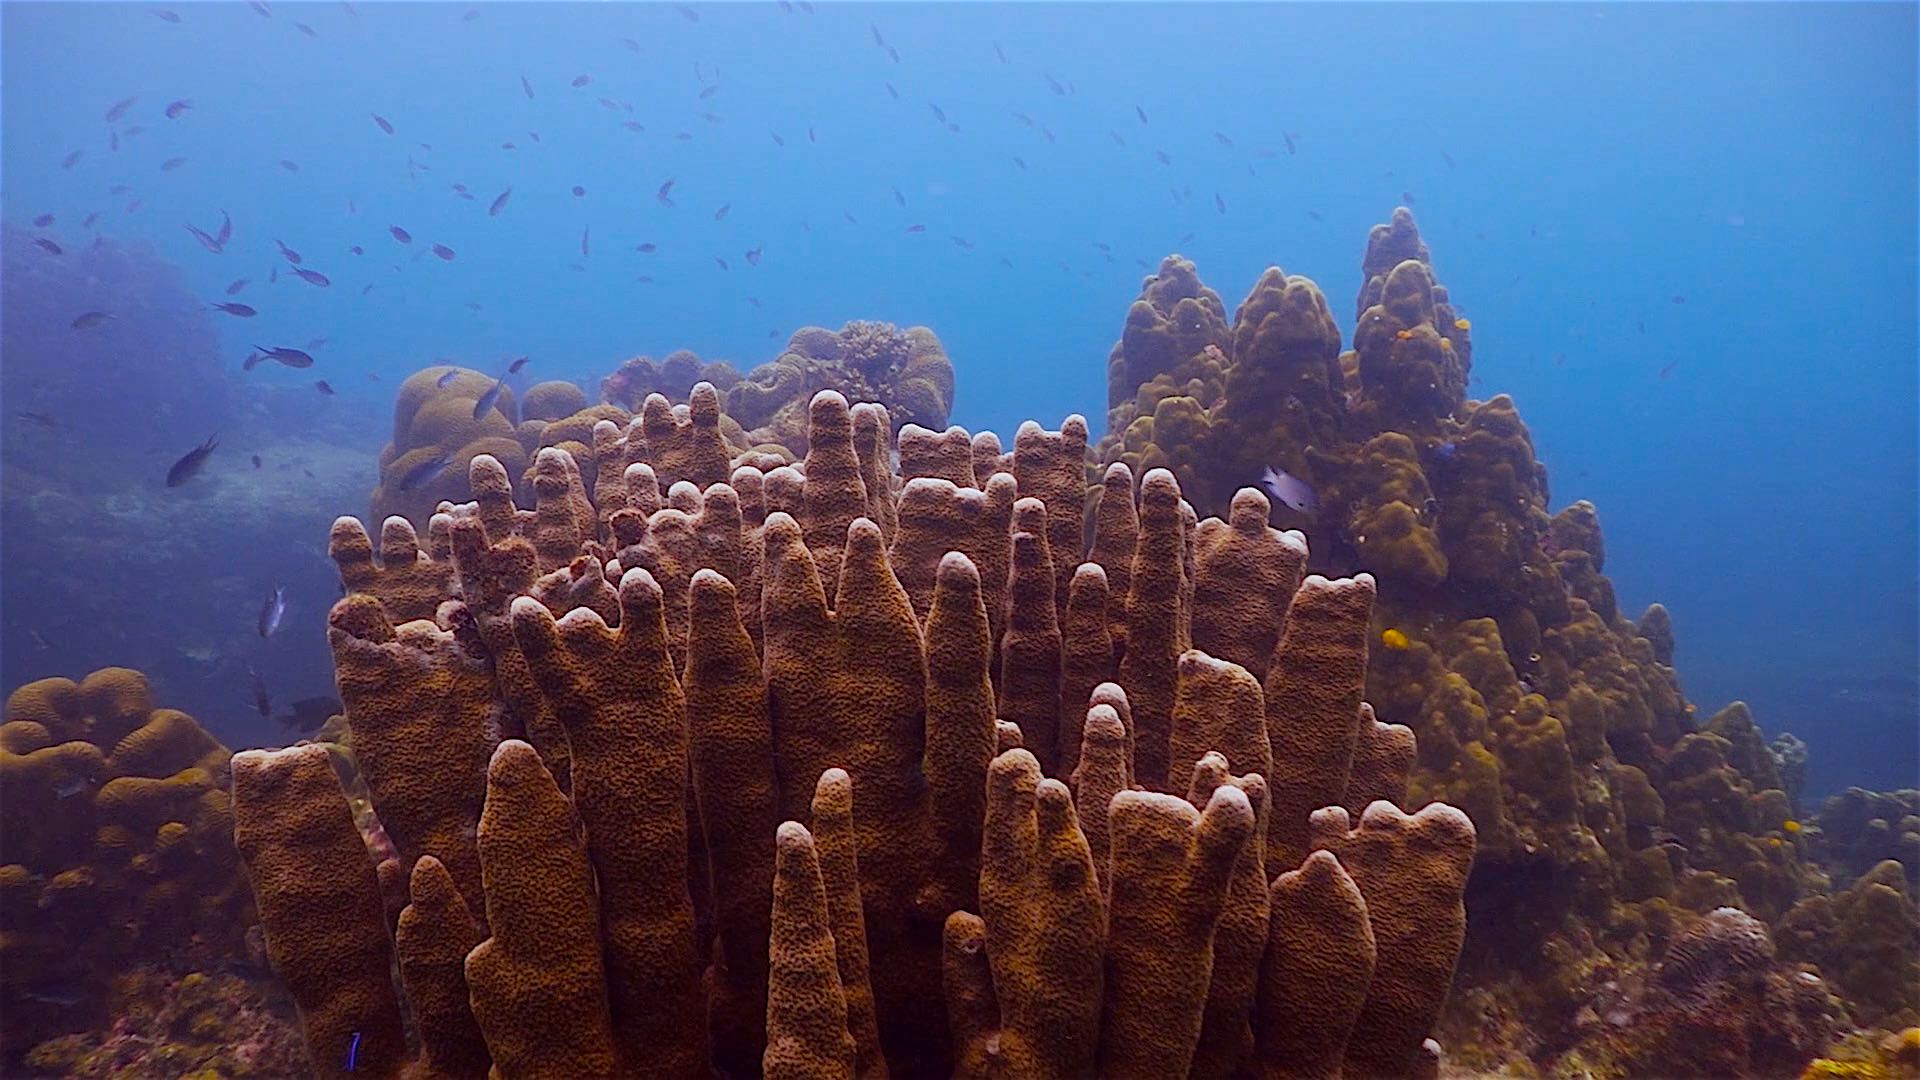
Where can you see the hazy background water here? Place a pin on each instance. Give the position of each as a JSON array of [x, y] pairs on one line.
[[1575, 168]]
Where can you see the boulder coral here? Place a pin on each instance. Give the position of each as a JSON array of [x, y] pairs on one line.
[[434, 423], [117, 847], [819, 772]]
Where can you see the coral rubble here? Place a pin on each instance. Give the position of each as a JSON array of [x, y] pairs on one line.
[[1011, 846]]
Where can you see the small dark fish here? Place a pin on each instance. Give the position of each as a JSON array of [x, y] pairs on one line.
[[189, 464], [1291, 490], [647, 248], [43, 221], [891, 92], [272, 610], [485, 405], [1667, 371], [133, 205], [288, 253], [209, 242], [1054, 85], [382, 121], [1023, 118], [1221, 138], [851, 220], [226, 229], [451, 374], [91, 319], [307, 716], [916, 228], [585, 232], [357, 249], [1407, 197], [664, 195], [67, 789], [687, 13], [1117, 137], [314, 344], [578, 191], [174, 109], [527, 86], [777, 140], [514, 368], [273, 274], [721, 214], [1049, 134], [324, 387], [899, 198], [312, 277], [240, 310], [1678, 299], [611, 105], [1184, 240], [632, 45], [289, 165], [753, 256], [426, 471], [39, 419], [172, 163], [119, 109], [877, 39], [999, 52], [1142, 114], [1315, 215], [256, 461], [961, 242], [307, 30], [119, 189], [87, 222], [400, 234], [1288, 138], [65, 999], [71, 159], [754, 300], [1020, 161], [707, 94], [1219, 203], [644, 279], [938, 113], [443, 251], [236, 286], [499, 203], [633, 125], [1448, 158], [722, 262], [293, 358], [260, 9], [811, 137], [581, 80]]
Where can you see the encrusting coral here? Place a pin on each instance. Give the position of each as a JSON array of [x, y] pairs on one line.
[[1091, 889], [115, 847]]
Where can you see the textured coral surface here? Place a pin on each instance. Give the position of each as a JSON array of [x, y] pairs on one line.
[[116, 847]]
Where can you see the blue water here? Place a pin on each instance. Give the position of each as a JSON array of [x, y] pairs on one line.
[[1758, 161]]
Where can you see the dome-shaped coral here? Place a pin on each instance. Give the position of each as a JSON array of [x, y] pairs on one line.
[[435, 434]]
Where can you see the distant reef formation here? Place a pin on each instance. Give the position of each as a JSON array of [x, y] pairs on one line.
[[438, 427]]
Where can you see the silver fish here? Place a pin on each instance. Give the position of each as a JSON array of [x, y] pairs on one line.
[[1291, 490], [272, 610]]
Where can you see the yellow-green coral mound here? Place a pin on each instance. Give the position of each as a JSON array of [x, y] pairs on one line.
[[118, 844], [434, 424]]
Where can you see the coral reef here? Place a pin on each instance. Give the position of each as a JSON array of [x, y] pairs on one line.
[[1859, 829], [1609, 820], [1866, 938], [115, 847], [202, 1024], [907, 371], [1010, 848]]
